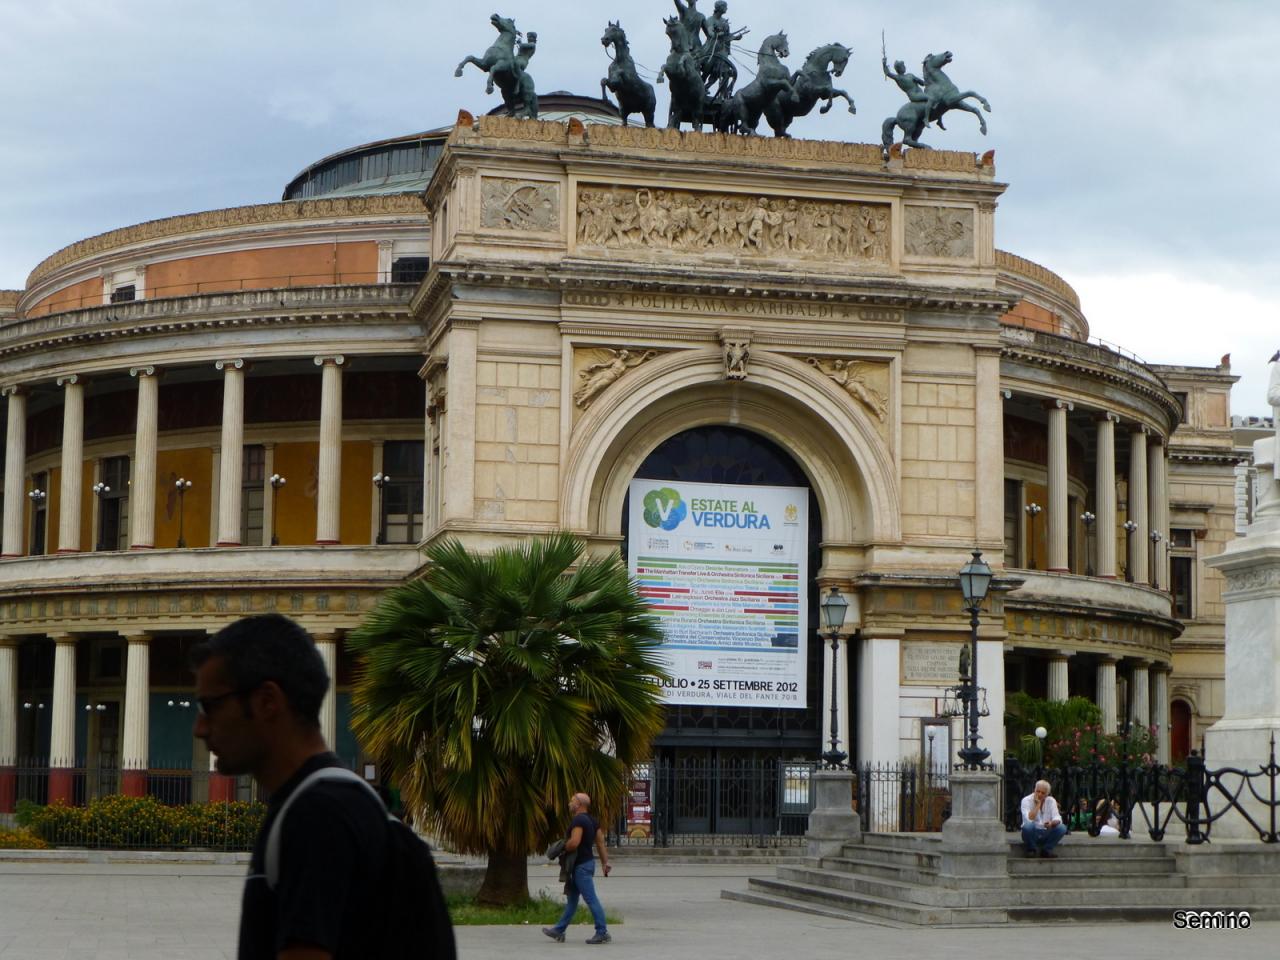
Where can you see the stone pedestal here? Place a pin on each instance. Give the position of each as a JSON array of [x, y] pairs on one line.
[[833, 822], [975, 846], [1251, 566]]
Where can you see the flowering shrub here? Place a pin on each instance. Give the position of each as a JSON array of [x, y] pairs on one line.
[[144, 822], [20, 840], [1086, 745]]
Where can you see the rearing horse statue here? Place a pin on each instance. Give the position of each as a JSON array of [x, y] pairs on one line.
[[688, 95], [811, 83], [634, 95], [505, 68], [741, 112], [941, 96]]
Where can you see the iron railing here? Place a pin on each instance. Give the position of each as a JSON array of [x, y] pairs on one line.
[[90, 780], [702, 801], [903, 797], [1153, 798]]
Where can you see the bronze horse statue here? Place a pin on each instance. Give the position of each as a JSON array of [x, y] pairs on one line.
[[634, 95], [941, 95], [811, 83], [505, 67], [741, 112], [688, 95]]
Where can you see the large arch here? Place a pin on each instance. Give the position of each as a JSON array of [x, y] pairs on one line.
[[837, 445]]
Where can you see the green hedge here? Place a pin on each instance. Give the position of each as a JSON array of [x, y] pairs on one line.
[[117, 822]]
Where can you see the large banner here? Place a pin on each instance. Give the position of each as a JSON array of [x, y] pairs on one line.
[[724, 567]]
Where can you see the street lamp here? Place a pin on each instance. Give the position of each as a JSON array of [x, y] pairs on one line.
[[37, 496], [975, 580], [1129, 527], [380, 480], [1088, 519], [1041, 733], [276, 482], [182, 485], [833, 610], [1033, 510], [100, 490], [1156, 537]]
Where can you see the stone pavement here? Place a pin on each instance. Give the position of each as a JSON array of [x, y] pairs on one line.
[[52, 911]]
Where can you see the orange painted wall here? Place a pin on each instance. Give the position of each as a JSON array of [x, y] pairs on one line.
[[300, 266], [86, 293], [194, 464], [88, 540], [1025, 314], [1036, 544], [54, 509], [299, 464]]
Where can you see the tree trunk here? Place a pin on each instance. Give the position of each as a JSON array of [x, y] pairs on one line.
[[506, 879]]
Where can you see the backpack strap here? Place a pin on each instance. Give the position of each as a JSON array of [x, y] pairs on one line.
[[272, 865]]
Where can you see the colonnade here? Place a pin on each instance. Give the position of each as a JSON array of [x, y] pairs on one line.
[[1147, 506], [142, 519], [135, 735]]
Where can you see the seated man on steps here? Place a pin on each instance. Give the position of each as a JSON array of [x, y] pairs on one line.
[[1042, 825]]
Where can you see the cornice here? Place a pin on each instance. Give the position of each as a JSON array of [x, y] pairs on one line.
[[257, 214], [1044, 277], [203, 312]]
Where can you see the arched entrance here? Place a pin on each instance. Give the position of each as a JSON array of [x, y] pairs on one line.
[[727, 769]]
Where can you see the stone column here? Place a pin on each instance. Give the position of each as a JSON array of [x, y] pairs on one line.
[[71, 484], [1058, 675], [1106, 696], [1138, 541], [878, 696], [1160, 710], [62, 740], [1140, 701], [329, 487], [8, 724], [1057, 513], [15, 469], [990, 677], [989, 452], [1105, 496], [232, 465], [142, 488], [458, 477], [1159, 506], [136, 756], [327, 644]]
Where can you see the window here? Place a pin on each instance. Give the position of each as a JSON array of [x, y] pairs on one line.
[[39, 514], [401, 520], [1180, 538], [113, 505], [1181, 570], [124, 293], [1184, 400], [409, 269], [253, 473], [1012, 520]]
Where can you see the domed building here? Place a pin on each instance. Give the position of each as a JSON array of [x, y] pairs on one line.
[[764, 368]]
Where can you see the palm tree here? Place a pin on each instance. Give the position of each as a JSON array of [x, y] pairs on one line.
[[497, 685]]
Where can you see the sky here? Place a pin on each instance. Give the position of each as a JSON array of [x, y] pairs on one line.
[[1136, 138]]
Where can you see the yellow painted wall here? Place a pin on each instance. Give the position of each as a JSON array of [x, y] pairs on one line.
[[88, 536], [194, 464], [306, 265], [299, 464], [1037, 542], [54, 509]]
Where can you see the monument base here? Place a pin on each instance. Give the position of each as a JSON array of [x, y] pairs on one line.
[[975, 845], [833, 822], [1243, 743]]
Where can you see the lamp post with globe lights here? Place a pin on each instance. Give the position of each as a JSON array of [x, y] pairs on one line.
[[834, 606], [975, 581], [276, 482]]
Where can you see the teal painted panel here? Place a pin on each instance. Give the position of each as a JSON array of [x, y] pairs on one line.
[[170, 729]]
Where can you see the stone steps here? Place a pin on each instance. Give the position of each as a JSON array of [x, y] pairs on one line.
[[761, 899]]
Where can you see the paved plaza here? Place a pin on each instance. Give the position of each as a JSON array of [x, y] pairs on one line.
[[165, 911]]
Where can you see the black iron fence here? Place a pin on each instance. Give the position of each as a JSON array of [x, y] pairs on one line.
[[1154, 799], [91, 780], [903, 797], [700, 801]]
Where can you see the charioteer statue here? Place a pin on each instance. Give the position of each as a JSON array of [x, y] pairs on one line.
[[929, 100]]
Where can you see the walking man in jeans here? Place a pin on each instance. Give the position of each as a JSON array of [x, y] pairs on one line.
[[584, 833]]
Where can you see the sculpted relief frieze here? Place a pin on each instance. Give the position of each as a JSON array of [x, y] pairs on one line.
[[519, 205], [944, 232], [866, 383], [686, 221], [597, 370]]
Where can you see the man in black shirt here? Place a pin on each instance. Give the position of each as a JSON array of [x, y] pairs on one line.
[[584, 832], [259, 686]]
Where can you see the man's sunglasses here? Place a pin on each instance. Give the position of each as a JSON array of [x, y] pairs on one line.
[[206, 705]]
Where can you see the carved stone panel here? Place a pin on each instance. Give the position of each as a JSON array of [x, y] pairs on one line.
[[944, 232], [523, 205], [866, 383], [595, 370], [686, 221]]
